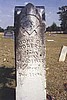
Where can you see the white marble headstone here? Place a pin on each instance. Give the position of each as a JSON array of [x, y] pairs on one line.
[[63, 53], [30, 56]]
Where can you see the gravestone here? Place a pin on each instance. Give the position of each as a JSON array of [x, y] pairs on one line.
[[9, 34], [30, 52], [63, 54]]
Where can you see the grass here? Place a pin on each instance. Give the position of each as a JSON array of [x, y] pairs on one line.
[[56, 72], [7, 69], [6, 51]]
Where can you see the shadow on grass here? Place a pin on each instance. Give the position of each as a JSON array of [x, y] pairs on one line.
[[7, 83]]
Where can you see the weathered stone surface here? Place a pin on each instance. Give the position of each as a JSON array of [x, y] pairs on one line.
[[63, 53], [30, 56]]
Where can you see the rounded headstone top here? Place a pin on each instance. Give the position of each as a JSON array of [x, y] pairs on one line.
[[30, 5], [30, 9]]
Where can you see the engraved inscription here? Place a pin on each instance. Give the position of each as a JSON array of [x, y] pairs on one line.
[[30, 56]]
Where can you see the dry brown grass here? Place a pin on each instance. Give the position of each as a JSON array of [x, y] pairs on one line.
[[7, 69], [56, 73], [6, 51]]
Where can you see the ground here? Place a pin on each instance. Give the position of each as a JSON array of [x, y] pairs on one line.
[[56, 72], [7, 68]]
